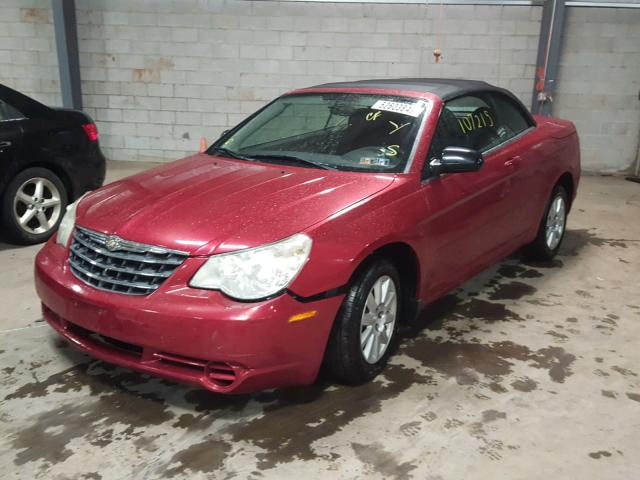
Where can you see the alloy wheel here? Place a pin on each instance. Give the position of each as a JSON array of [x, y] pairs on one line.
[[378, 319], [37, 205], [556, 219]]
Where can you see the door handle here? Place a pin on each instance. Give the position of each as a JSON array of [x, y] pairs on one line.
[[5, 144], [512, 162]]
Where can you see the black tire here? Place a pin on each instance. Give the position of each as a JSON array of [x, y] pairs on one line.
[[11, 227], [539, 250], [344, 358]]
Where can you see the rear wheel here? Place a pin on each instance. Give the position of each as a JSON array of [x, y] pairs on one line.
[[363, 332], [552, 227], [32, 206]]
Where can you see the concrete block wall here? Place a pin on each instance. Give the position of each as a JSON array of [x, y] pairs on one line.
[[28, 59], [158, 75], [599, 84]]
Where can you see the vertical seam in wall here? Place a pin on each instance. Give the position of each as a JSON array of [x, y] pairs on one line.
[[499, 76], [423, 46]]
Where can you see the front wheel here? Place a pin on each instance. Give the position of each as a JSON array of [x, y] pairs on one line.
[[359, 345], [32, 205], [552, 227]]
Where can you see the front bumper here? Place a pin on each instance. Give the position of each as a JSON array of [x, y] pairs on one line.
[[195, 336]]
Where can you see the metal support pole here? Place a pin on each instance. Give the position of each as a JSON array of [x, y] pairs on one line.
[[64, 20], [551, 31]]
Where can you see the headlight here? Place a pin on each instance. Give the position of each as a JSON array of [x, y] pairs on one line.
[[255, 273], [67, 223]]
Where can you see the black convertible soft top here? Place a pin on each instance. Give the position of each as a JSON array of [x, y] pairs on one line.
[[445, 88]]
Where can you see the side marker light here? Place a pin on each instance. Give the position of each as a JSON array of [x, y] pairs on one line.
[[303, 316]]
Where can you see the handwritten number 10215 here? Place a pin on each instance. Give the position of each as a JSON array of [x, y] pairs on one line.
[[475, 121]]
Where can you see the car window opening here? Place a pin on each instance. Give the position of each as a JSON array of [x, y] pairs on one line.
[[344, 131]]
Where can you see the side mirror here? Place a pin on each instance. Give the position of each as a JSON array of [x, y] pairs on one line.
[[456, 160], [224, 132]]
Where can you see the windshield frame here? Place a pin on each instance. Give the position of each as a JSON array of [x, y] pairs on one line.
[[429, 103]]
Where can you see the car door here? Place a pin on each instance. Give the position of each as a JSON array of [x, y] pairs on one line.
[[10, 137], [468, 226], [519, 151]]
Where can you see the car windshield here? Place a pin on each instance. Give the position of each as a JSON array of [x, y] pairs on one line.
[[344, 131]]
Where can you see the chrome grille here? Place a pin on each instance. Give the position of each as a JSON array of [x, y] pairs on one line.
[[110, 263]]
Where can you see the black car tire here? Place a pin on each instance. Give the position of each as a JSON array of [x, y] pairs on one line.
[[344, 358], [539, 250], [11, 227]]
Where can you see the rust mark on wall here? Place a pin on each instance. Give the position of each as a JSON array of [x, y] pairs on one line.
[[152, 71], [104, 59], [146, 75], [34, 15], [161, 63]]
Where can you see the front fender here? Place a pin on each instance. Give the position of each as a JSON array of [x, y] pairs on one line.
[[344, 240]]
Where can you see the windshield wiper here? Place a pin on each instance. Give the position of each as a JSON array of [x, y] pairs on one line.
[[290, 158], [230, 153]]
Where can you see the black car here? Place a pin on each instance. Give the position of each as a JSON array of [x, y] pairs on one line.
[[48, 158]]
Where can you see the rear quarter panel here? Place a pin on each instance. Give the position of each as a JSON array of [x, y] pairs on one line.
[[59, 143], [558, 152]]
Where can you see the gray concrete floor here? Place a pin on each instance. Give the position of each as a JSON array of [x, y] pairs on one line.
[[526, 372]]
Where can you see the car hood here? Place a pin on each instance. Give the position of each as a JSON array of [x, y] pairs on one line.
[[203, 204]]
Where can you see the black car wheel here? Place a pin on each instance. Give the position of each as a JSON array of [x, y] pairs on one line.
[[552, 227], [360, 341], [33, 205]]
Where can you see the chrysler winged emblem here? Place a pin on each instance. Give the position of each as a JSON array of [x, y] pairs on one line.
[[113, 243]]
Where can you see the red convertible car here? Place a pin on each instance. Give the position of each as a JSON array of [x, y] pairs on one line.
[[303, 236]]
